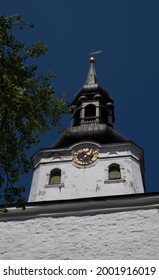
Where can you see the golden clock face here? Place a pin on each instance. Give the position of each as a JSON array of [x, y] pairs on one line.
[[85, 156]]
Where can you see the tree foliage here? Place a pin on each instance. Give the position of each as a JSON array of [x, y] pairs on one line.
[[28, 105]]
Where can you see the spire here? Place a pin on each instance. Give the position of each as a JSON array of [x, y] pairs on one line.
[[92, 76], [93, 115]]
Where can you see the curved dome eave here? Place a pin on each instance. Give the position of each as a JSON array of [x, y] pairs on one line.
[[99, 133]]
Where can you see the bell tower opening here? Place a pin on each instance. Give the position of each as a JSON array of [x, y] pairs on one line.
[[90, 113], [76, 118]]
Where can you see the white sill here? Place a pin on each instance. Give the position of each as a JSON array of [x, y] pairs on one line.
[[111, 181], [54, 186]]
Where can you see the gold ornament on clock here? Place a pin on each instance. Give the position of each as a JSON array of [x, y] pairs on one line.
[[85, 156]]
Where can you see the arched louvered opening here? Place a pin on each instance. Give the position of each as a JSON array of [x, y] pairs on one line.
[[114, 171], [55, 176]]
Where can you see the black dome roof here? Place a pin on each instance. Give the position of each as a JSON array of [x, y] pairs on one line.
[[99, 133]]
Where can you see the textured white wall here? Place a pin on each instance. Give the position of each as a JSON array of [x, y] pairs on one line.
[[88, 181], [124, 235]]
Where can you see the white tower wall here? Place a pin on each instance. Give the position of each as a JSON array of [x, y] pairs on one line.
[[89, 180]]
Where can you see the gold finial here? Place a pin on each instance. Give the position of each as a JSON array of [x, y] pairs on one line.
[[92, 52], [92, 59]]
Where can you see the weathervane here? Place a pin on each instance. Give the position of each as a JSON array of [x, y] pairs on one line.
[[92, 52]]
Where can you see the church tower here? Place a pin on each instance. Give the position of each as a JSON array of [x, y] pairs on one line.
[[91, 159]]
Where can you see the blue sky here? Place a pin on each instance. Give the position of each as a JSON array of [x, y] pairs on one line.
[[127, 31]]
